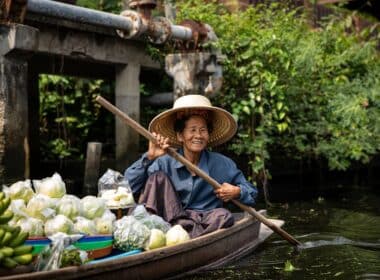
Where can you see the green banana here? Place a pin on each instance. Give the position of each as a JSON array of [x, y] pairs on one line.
[[6, 239], [2, 195], [6, 216], [22, 250], [7, 251], [8, 262], [8, 228], [19, 239], [23, 259], [6, 202], [2, 232]]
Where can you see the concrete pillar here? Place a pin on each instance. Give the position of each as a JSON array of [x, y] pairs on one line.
[[14, 142], [17, 42], [127, 99]]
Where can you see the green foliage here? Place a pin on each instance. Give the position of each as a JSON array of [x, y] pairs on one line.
[[70, 117], [296, 91]]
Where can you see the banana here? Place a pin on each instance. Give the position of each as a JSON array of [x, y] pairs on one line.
[[6, 239], [22, 250], [8, 228], [19, 239], [6, 202], [2, 195], [23, 259], [7, 251], [7, 262], [6, 217], [2, 232]]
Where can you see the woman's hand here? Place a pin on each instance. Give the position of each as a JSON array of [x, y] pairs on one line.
[[157, 149], [227, 192]]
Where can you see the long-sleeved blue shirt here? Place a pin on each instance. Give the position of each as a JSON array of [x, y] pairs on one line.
[[195, 193]]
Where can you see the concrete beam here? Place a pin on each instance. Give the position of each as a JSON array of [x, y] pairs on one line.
[[18, 38]]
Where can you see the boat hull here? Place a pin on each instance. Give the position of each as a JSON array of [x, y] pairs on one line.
[[209, 251]]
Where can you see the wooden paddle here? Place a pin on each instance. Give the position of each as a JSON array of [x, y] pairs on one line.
[[173, 153]]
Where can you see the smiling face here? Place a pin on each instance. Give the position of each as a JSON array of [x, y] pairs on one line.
[[195, 135]]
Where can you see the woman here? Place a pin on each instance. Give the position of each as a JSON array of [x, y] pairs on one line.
[[169, 189]]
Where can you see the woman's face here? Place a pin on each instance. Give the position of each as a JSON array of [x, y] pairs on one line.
[[194, 137]]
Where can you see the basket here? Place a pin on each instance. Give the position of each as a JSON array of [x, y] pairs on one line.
[[96, 246]]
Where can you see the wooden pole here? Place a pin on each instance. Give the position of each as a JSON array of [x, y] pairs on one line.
[[92, 169], [172, 152]]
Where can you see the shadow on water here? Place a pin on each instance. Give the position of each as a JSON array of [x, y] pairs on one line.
[[340, 240]]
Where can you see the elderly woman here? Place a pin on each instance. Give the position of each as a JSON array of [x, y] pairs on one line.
[[172, 191]]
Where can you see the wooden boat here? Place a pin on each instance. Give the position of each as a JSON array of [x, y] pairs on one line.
[[205, 252]]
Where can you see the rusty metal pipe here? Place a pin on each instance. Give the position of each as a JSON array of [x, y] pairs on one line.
[[78, 14], [99, 18]]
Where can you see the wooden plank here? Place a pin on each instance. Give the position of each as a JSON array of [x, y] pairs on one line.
[[91, 172]]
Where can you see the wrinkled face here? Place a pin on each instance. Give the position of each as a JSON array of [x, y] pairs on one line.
[[195, 135]]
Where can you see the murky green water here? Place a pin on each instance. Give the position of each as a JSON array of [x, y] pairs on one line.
[[340, 238]]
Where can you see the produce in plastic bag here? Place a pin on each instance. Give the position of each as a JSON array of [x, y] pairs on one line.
[[115, 190], [176, 235], [33, 226], [92, 207], [41, 207], [50, 257], [69, 205], [104, 224], [151, 221], [140, 212], [20, 190], [53, 187], [157, 239], [130, 234], [84, 226], [156, 222], [59, 223]]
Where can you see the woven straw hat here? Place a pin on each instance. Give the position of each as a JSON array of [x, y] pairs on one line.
[[224, 125]]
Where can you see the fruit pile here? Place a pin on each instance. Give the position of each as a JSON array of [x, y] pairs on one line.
[[13, 251]]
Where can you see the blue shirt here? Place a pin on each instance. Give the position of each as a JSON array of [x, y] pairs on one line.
[[195, 193]]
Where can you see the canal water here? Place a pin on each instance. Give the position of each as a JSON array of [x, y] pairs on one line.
[[340, 239]]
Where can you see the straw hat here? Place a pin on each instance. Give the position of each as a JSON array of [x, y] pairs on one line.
[[224, 125]]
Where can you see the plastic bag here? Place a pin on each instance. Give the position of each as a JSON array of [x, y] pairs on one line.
[[114, 188], [151, 221], [130, 234], [51, 256]]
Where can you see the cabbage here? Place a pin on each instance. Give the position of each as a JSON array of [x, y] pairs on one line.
[[157, 239], [154, 221], [69, 205], [53, 186], [92, 207], [176, 235], [85, 226], [59, 223], [34, 227], [20, 190], [130, 234], [41, 207], [104, 224]]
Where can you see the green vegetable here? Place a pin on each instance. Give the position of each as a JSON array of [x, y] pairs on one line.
[[70, 258]]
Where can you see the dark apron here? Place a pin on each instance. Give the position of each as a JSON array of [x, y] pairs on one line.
[[160, 198]]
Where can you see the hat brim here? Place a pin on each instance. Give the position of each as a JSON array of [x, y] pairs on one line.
[[224, 125]]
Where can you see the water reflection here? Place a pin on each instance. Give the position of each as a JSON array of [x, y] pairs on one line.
[[340, 240]]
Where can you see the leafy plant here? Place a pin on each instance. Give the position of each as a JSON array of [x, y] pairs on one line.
[[295, 91]]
